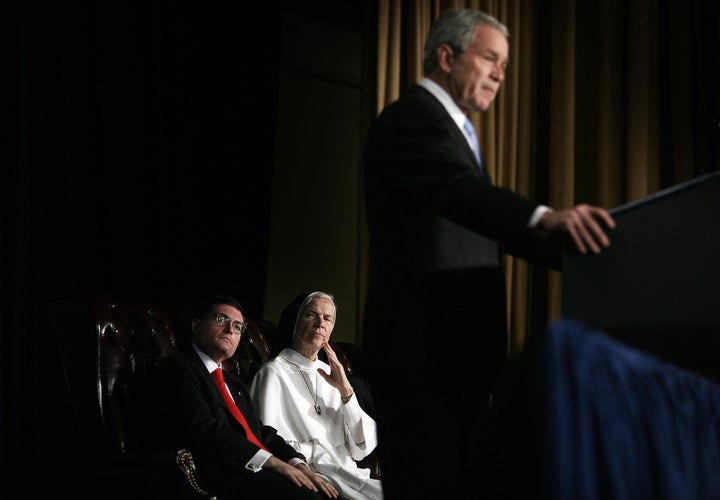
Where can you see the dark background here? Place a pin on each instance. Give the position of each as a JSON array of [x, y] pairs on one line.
[[142, 161], [145, 145]]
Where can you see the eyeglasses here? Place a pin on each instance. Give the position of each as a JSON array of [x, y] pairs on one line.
[[222, 320]]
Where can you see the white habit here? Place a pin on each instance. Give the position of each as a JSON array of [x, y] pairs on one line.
[[286, 391]]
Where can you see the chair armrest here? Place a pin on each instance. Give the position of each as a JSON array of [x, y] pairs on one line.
[[372, 462], [185, 461]]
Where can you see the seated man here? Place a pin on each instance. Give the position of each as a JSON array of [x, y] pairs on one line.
[[200, 407], [312, 403]]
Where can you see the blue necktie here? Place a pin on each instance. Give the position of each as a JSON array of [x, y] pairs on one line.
[[473, 138]]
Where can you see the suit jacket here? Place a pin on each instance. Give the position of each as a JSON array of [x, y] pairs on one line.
[[190, 412], [437, 226]]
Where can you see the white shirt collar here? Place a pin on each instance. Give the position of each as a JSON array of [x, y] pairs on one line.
[[207, 360], [453, 109]]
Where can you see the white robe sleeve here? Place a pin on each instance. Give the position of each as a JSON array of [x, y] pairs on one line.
[[361, 429]]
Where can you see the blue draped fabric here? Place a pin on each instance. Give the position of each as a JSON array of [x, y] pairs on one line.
[[614, 422]]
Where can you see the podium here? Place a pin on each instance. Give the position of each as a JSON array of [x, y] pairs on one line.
[[657, 287]]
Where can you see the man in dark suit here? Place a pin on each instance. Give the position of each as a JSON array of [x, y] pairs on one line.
[[190, 411], [435, 333]]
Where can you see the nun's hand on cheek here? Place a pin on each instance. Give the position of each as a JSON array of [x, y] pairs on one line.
[[336, 377]]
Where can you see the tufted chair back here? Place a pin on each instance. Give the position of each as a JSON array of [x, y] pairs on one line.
[[107, 347], [133, 337]]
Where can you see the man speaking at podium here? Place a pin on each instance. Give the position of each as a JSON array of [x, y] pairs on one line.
[[435, 333]]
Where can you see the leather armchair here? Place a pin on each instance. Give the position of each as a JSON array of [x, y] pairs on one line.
[[107, 346]]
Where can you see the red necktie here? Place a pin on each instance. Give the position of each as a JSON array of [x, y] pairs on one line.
[[220, 382]]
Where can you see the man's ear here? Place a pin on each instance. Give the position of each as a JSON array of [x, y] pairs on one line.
[[445, 57], [194, 325]]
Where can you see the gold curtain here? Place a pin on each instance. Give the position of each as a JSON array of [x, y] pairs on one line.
[[583, 114]]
